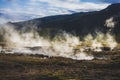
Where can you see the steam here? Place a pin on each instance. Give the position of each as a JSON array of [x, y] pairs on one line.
[[30, 39], [110, 23], [63, 44], [101, 40]]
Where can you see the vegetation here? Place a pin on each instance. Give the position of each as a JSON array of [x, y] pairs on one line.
[[32, 67]]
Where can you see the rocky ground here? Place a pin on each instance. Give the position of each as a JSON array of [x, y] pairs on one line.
[[106, 66]]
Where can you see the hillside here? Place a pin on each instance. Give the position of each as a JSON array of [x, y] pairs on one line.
[[81, 23]]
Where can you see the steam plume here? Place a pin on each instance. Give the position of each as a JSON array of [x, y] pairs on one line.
[[65, 45]]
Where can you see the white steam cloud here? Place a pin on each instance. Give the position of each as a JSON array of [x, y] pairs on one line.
[[66, 45], [110, 23]]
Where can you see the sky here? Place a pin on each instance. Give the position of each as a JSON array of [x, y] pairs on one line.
[[41, 8]]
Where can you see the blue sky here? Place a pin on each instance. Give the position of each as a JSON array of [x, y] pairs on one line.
[[43, 8], [105, 1]]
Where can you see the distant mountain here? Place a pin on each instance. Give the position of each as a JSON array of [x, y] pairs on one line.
[[80, 24]]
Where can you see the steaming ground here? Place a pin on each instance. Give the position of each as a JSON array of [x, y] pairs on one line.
[[63, 44]]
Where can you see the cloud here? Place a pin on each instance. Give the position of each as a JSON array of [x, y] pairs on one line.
[[72, 4], [51, 7], [54, 7]]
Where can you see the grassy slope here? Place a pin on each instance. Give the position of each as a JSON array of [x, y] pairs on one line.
[[20, 67]]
